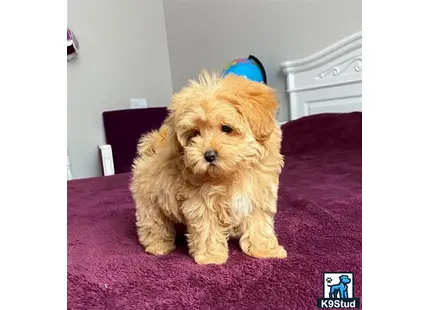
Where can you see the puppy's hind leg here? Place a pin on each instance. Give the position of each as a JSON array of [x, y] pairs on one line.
[[156, 233]]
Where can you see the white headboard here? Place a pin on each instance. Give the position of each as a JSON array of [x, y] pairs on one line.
[[328, 81]]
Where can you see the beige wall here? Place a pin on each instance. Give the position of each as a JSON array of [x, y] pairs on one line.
[[209, 33], [123, 55]]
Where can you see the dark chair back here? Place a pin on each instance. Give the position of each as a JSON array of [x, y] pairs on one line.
[[123, 128]]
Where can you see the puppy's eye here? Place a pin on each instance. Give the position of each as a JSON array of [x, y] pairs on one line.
[[193, 134], [226, 129]]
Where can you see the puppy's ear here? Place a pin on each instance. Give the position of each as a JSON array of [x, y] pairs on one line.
[[254, 101], [169, 126]]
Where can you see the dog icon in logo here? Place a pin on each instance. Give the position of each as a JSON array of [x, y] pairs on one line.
[[340, 290]]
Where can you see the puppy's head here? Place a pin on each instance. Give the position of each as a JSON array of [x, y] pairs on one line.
[[222, 124]]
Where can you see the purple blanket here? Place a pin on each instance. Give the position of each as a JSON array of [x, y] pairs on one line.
[[319, 222]]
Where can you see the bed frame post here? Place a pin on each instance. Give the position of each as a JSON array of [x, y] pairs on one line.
[[69, 170], [107, 159]]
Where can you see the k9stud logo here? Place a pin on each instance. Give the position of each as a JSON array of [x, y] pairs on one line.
[[338, 291]]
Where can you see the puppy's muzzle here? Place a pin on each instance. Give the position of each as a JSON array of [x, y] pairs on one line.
[[210, 156]]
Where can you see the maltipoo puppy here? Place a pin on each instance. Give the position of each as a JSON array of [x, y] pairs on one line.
[[214, 166]]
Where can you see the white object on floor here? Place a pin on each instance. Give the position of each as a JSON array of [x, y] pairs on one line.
[[138, 103], [107, 159], [69, 170], [328, 81]]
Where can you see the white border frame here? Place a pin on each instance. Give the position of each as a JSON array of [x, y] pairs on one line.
[[395, 155]]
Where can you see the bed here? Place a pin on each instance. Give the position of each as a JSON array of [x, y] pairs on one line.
[[327, 81], [318, 221]]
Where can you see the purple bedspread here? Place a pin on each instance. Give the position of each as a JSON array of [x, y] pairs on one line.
[[319, 222]]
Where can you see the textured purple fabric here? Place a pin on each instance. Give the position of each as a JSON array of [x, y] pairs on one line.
[[123, 129], [319, 222]]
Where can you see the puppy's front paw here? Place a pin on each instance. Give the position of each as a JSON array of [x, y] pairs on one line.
[[206, 259], [159, 249], [274, 252]]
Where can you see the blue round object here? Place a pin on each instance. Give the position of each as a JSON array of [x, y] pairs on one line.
[[250, 68]]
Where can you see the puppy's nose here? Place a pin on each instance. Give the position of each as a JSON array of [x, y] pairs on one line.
[[210, 156]]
